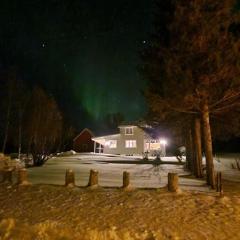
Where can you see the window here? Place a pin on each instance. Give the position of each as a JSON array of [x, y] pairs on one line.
[[130, 144], [129, 131], [111, 143]]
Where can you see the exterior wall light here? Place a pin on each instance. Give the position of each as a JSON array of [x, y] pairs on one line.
[[163, 142]]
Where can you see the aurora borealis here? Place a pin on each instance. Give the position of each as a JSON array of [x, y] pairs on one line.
[[108, 81], [85, 53]]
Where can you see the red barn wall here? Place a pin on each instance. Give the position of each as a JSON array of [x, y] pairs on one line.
[[83, 142]]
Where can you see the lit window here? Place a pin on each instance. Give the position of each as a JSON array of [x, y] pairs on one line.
[[111, 143], [130, 144], [129, 131]]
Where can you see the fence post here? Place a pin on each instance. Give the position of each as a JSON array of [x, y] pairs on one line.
[[22, 177], [69, 178], [219, 183], [93, 178], [126, 179], [172, 182]]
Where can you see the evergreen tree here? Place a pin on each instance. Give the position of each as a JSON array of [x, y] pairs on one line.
[[196, 71]]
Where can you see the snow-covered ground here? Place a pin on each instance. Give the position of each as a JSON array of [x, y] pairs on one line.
[[111, 168], [223, 162], [56, 212]]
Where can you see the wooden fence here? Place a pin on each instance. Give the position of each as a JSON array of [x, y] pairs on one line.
[[172, 186], [22, 179]]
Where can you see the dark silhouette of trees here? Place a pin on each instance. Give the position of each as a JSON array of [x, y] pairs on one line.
[[8, 80], [194, 68], [21, 99], [68, 134], [30, 120], [43, 126]]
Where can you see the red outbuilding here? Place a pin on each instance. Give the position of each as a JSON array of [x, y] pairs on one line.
[[83, 141]]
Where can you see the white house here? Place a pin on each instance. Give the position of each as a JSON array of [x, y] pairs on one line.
[[130, 140]]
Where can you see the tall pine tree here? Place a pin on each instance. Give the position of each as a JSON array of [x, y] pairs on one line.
[[196, 69]]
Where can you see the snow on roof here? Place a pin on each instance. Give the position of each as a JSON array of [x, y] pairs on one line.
[[106, 136], [102, 139]]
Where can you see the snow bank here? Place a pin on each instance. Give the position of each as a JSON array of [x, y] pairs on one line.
[[67, 153]]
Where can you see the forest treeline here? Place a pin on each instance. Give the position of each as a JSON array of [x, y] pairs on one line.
[[31, 121]]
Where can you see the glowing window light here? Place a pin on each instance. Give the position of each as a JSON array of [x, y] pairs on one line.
[[111, 143]]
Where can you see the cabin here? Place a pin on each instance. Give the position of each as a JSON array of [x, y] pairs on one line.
[[83, 141], [131, 140]]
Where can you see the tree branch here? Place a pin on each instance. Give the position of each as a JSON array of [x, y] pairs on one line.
[[224, 99], [226, 107]]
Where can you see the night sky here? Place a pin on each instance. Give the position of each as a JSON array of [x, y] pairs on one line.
[[83, 52]]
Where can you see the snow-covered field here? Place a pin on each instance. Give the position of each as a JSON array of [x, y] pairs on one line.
[[111, 169], [55, 212]]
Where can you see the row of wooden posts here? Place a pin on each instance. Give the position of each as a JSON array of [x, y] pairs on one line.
[[93, 179], [7, 176], [22, 178]]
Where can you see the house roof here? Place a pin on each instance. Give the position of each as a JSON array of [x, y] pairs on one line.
[[106, 136], [140, 123], [149, 130], [102, 139], [85, 129]]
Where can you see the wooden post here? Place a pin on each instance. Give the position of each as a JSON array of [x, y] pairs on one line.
[[126, 179], [93, 178], [172, 182], [7, 175], [22, 177], [69, 178], [219, 183]]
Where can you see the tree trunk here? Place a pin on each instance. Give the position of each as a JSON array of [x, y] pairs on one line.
[[20, 135], [7, 122], [198, 148], [208, 145], [9, 108], [189, 150], [193, 149]]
